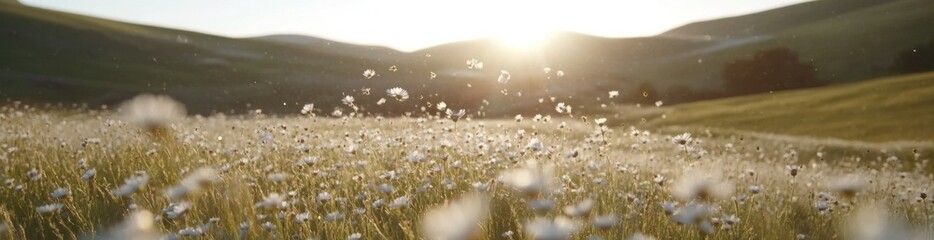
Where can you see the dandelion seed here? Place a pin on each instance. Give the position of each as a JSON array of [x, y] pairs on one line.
[[848, 186], [277, 177], [530, 180], [398, 93], [272, 200], [308, 109], [551, 229], [49, 208], [874, 222], [701, 186], [706, 228], [433, 75], [190, 232], [132, 184], [503, 77], [399, 202], [323, 196], [176, 210], [605, 222], [755, 189], [559, 73], [535, 145], [480, 187], [692, 213], [34, 175], [381, 101], [614, 94], [385, 188], [441, 106], [306, 161], [669, 207], [348, 100], [640, 236], [268, 226], [563, 108], [192, 183], [302, 217], [139, 225], [660, 180], [600, 121], [60, 192], [393, 68], [580, 209], [474, 64], [355, 236], [541, 206], [369, 73], [333, 216]]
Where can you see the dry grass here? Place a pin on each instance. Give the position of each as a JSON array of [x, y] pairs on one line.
[[431, 161]]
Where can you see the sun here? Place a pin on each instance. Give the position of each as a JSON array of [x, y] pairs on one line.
[[525, 28], [524, 39]]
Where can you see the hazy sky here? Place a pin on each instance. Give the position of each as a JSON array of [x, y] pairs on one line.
[[413, 24]]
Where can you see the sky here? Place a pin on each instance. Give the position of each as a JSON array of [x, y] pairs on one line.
[[414, 24]]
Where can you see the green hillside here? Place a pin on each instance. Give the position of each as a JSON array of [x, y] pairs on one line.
[[887, 109]]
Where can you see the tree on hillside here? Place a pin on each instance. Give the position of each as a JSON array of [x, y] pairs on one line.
[[917, 59], [769, 70]]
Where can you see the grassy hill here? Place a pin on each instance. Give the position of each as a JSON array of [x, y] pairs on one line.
[[846, 40], [51, 56], [887, 109]]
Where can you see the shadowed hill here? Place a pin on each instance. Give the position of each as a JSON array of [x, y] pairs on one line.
[[51, 56], [774, 20]]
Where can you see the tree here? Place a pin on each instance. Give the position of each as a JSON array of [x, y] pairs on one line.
[[769, 70]]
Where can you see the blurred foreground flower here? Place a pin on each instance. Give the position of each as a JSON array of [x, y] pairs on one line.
[[698, 185], [559, 228], [137, 226], [874, 222], [458, 220], [153, 113], [531, 180]]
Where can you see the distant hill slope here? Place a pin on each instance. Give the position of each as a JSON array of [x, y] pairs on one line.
[[887, 109], [774, 20], [50, 56], [325, 46], [847, 41]]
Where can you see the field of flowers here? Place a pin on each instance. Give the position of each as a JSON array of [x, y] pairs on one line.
[[147, 172]]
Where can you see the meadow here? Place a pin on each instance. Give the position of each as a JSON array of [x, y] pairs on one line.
[[148, 172]]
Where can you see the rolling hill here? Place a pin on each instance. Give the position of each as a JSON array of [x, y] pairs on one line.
[[51, 56], [886, 109]]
